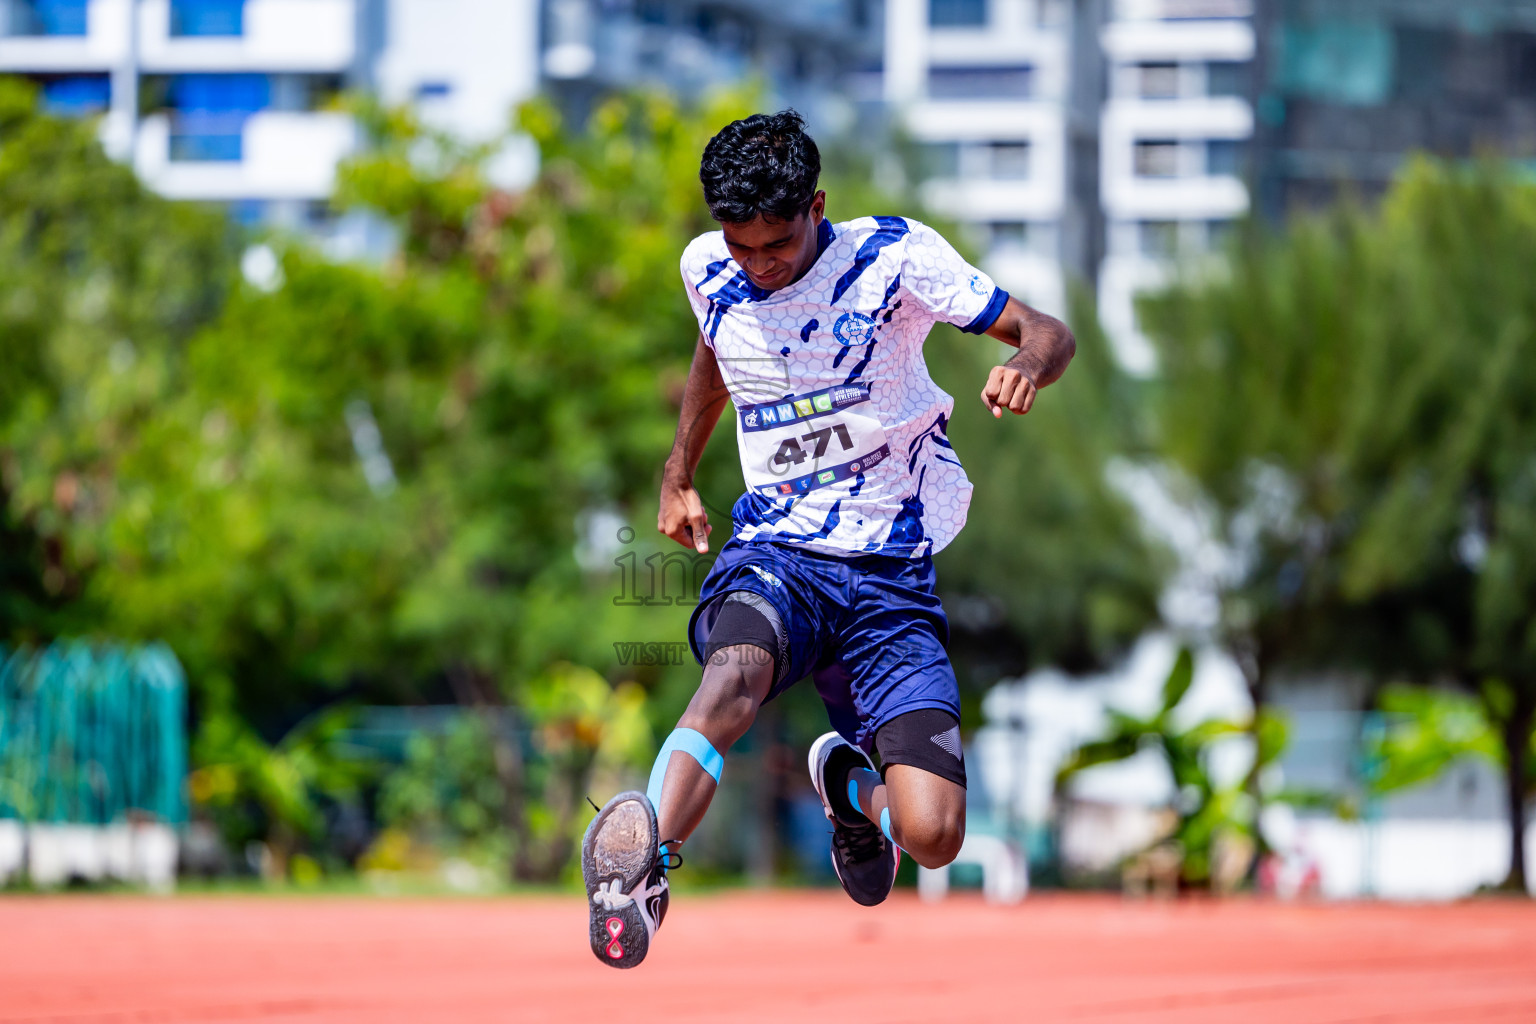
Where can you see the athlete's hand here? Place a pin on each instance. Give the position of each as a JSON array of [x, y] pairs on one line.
[[682, 514], [1008, 388]]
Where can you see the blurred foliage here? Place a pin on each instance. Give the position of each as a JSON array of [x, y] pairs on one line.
[[275, 793], [1354, 401], [1052, 567], [447, 791], [390, 483], [1426, 732], [102, 287], [1209, 813]]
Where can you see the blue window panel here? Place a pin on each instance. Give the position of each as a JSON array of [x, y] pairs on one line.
[[957, 13], [1345, 62], [207, 17], [1228, 78], [220, 94], [48, 18], [1225, 156], [209, 113], [203, 143], [77, 95], [248, 213], [433, 90], [981, 82]]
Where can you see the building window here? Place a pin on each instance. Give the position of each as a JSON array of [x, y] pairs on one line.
[[1157, 81], [1011, 236], [77, 95], [1159, 238], [248, 213], [1225, 157], [207, 17], [208, 114], [45, 17], [1157, 159], [939, 160], [1227, 78], [957, 13], [965, 83], [1009, 161]]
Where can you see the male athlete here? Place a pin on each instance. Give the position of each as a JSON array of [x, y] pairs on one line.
[[814, 332]]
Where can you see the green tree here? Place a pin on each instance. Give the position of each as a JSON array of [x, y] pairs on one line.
[[1052, 566], [1353, 401], [102, 287]]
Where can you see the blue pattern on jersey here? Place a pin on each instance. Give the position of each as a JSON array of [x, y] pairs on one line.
[[935, 433], [891, 229], [889, 292], [711, 270], [734, 292], [907, 531], [755, 509], [834, 516]]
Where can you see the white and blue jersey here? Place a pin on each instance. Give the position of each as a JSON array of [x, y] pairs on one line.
[[840, 428]]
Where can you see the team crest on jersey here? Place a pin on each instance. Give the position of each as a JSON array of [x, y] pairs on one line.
[[854, 329], [978, 285]]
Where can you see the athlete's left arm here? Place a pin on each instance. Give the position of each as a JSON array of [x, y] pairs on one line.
[[1045, 347]]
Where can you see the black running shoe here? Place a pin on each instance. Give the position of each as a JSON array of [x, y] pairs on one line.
[[626, 875], [865, 861]]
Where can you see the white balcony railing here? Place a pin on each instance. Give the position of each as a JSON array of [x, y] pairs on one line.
[[268, 156], [275, 35], [103, 46], [1190, 193]]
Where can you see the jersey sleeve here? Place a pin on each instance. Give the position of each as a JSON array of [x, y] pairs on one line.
[[945, 286], [697, 302]]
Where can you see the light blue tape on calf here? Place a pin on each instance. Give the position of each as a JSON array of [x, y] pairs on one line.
[[695, 745], [853, 795], [885, 825]]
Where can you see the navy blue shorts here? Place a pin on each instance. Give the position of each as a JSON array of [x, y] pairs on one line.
[[868, 629]]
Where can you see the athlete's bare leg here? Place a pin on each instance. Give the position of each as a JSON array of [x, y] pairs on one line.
[[927, 812], [735, 683]]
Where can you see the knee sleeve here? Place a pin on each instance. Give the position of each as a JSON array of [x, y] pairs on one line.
[[928, 739], [747, 619], [696, 746]]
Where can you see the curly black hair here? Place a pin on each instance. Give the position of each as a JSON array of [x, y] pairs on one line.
[[763, 164]]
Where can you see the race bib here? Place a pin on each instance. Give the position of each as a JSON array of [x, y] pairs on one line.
[[799, 443]]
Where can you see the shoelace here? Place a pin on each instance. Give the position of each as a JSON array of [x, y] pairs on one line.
[[858, 843]]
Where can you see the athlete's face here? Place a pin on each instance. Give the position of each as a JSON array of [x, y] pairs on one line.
[[773, 252]]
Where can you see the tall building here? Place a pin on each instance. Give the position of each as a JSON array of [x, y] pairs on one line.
[[1350, 87], [1103, 139], [982, 88], [234, 101], [1173, 146], [813, 55]]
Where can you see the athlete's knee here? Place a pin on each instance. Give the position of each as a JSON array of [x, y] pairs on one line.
[[727, 699], [933, 837]]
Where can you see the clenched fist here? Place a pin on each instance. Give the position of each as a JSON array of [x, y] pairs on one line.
[[1008, 388]]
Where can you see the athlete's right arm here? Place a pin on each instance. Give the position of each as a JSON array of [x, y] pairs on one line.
[[682, 512]]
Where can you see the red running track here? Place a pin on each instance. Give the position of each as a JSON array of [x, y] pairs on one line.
[[788, 958]]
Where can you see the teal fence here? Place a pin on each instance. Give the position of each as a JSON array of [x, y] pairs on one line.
[[92, 733]]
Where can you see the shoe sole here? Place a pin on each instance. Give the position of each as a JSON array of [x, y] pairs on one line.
[[619, 846]]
